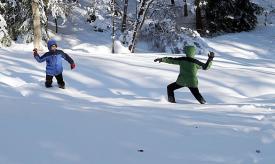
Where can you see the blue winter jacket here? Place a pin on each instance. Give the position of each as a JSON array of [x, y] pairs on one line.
[[54, 60]]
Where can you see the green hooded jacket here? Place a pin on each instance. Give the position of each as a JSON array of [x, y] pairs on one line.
[[188, 70]]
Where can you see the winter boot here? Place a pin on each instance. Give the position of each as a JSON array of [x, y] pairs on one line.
[[49, 81], [62, 86], [48, 84], [171, 99], [202, 101]]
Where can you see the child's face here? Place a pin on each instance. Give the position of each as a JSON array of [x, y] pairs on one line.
[[53, 48]]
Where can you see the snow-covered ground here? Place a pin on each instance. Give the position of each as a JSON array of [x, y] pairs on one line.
[[114, 110]]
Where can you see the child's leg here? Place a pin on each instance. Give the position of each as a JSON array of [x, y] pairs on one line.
[[49, 81], [60, 80], [197, 95], [170, 91]]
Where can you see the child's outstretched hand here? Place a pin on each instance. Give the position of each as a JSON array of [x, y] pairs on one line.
[[73, 66], [158, 60], [35, 51], [211, 55]]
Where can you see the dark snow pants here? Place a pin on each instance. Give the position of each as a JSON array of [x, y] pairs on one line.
[[174, 86], [59, 78]]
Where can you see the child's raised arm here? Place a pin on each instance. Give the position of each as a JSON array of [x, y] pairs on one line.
[[208, 63], [168, 60], [37, 57]]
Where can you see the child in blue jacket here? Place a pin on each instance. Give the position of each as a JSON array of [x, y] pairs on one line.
[[54, 66]]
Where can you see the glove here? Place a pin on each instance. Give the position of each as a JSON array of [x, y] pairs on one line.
[[73, 66], [35, 52], [211, 55], [158, 60]]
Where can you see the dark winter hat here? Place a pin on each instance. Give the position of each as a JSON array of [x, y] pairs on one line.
[[51, 42], [190, 51]]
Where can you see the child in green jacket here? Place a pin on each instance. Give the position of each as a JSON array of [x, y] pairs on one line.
[[188, 73]]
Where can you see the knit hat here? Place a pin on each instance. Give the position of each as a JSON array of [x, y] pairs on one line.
[[51, 42]]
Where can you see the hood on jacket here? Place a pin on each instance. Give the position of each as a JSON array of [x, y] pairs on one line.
[[190, 51], [51, 43]]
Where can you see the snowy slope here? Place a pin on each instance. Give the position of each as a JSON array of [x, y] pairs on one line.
[[115, 105]]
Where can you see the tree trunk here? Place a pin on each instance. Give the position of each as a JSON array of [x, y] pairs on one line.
[[113, 26], [185, 9], [36, 25], [124, 21], [199, 25], [56, 25], [265, 20], [173, 2], [47, 28], [145, 13], [47, 24], [144, 5]]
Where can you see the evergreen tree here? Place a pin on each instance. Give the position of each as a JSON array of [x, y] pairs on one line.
[[4, 36], [19, 19], [59, 9], [231, 15]]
